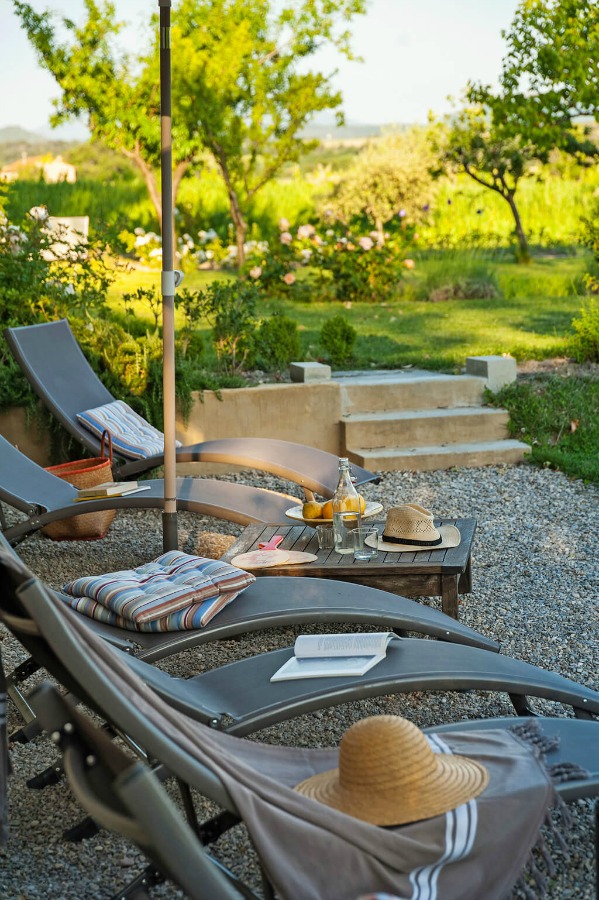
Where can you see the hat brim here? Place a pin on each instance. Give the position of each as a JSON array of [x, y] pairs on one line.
[[450, 537], [457, 780]]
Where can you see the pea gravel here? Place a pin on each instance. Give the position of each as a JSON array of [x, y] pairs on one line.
[[536, 581]]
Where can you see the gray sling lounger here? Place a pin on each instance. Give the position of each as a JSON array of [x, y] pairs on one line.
[[59, 373], [123, 795], [44, 497], [271, 603], [100, 677], [240, 698]]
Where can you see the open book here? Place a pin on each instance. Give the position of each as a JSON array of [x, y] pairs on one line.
[[326, 655], [110, 489]]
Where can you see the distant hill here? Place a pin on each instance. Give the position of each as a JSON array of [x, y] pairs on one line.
[[14, 134], [17, 142]]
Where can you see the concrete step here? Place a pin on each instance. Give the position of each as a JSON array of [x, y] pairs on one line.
[[424, 427], [442, 456], [407, 389]]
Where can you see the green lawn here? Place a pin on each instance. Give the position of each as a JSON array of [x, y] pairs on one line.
[[529, 321]]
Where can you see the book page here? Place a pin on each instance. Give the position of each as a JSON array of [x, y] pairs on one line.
[[325, 667], [311, 645]]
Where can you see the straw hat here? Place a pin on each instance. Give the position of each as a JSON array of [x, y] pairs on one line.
[[389, 775], [411, 527]]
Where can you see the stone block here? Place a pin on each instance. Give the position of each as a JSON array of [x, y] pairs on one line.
[[309, 371], [496, 370]]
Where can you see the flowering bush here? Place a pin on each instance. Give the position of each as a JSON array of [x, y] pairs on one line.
[[45, 273], [351, 267], [342, 266]]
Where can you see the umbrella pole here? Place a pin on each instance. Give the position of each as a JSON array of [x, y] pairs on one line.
[[170, 539]]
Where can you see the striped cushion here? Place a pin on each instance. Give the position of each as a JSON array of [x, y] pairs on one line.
[[175, 592], [131, 435]]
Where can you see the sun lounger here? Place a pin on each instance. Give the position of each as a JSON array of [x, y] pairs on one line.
[[59, 373], [45, 498], [124, 796], [252, 780]]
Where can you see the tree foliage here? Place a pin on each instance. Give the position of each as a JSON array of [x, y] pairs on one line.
[[239, 86], [550, 74], [470, 142], [116, 94], [389, 177], [246, 84]]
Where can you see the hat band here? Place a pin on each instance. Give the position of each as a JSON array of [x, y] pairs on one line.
[[395, 540]]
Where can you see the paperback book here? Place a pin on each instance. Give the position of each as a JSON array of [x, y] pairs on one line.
[[110, 489], [328, 655]]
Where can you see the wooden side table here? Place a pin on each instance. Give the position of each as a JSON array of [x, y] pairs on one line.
[[425, 573]]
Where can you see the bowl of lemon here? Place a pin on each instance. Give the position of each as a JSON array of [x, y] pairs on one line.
[[313, 512]]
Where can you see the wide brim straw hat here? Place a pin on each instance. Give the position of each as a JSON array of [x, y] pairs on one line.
[[389, 775], [411, 527]]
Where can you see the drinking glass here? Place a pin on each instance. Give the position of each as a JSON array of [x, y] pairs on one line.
[[326, 537], [362, 547]]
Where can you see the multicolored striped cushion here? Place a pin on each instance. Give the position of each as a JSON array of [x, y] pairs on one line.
[[131, 435], [175, 592]]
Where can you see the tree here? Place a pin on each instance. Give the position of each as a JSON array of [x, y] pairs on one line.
[[238, 88], [390, 176], [116, 94], [241, 70], [550, 76], [470, 142]]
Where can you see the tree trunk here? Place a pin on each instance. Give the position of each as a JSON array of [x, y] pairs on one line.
[[523, 248], [236, 213], [150, 180], [240, 227]]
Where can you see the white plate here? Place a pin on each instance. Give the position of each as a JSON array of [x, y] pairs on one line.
[[372, 509]]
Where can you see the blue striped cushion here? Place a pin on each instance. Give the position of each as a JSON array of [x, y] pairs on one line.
[[175, 592], [131, 435]]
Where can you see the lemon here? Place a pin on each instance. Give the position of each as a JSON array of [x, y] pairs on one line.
[[312, 509]]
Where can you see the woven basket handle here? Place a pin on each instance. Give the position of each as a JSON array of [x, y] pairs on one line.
[[106, 438]]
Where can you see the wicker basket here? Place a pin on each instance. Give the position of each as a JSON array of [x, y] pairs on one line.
[[84, 473]]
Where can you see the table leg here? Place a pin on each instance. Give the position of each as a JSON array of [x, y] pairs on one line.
[[449, 595], [465, 581]]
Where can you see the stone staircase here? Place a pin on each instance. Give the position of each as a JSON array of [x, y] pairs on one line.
[[416, 420]]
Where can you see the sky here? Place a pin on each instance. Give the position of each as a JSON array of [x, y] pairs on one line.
[[415, 53]]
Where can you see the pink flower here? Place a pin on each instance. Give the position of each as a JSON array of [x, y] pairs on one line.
[[408, 263], [283, 224], [256, 272], [305, 231], [289, 278], [366, 243], [286, 237]]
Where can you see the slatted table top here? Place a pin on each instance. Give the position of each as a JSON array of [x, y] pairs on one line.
[[329, 564]]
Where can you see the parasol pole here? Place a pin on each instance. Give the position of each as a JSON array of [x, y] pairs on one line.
[[170, 539]]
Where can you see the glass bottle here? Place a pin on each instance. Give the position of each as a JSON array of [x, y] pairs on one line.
[[346, 509]]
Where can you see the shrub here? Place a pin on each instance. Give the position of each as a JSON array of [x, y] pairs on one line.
[[338, 338], [460, 279], [46, 274], [229, 307], [590, 237], [584, 343], [277, 342], [357, 269]]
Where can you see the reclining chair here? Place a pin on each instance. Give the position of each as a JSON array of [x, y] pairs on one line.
[[306, 850], [45, 498], [59, 373], [267, 603]]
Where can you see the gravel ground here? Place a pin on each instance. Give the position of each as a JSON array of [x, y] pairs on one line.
[[535, 588]]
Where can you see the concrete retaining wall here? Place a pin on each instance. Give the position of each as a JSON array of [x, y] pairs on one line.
[[306, 413]]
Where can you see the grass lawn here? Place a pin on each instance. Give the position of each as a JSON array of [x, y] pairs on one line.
[[529, 321]]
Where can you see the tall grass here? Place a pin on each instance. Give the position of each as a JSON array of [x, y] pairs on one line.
[[468, 215], [463, 215]]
